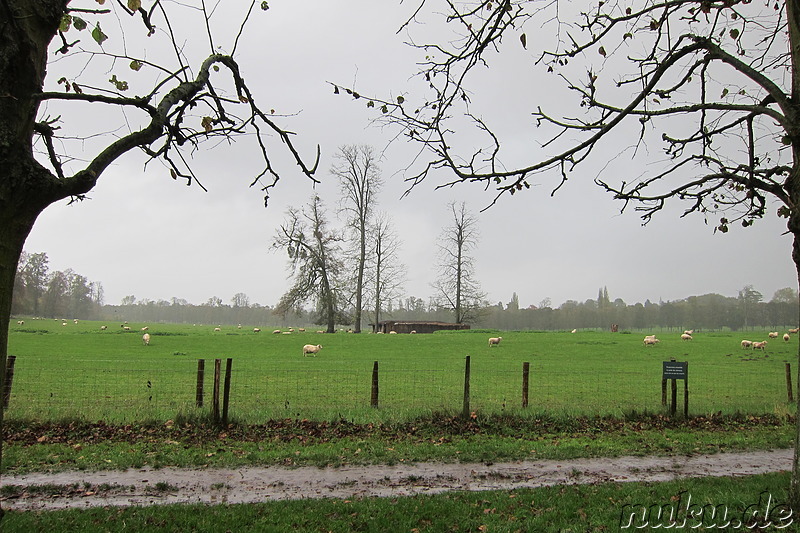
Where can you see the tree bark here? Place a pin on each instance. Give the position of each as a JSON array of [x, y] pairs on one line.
[[26, 187]]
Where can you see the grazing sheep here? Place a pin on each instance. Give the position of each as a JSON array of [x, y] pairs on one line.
[[146, 339], [311, 349], [256, 330], [413, 332], [786, 337], [126, 328], [277, 331], [689, 332], [773, 334], [686, 337], [20, 322], [795, 330], [760, 345], [392, 333], [747, 344], [301, 330], [103, 328], [217, 329], [574, 331], [651, 340], [495, 341], [239, 326], [145, 328], [286, 333]]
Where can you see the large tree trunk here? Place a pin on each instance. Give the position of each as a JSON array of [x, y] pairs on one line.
[[26, 187]]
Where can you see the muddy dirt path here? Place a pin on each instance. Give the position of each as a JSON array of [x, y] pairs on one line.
[[249, 485]]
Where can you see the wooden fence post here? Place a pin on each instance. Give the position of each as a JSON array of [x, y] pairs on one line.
[[789, 390], [465, 410], [674, 405], [9, 379], [201, 365], [374, 398], [525, 373], [226, 394], [215, 398], [686, 394]]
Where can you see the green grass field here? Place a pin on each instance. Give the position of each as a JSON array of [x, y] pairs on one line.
[[79, 371]]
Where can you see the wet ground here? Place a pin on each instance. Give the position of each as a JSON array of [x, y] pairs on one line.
[[249, 485]]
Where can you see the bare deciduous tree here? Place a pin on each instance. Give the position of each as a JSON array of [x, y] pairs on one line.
[[456, 286], [386, 272], [359, 181], [314, 258], [50, 151]]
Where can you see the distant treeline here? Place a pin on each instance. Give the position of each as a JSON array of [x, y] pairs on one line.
[[66, 294]]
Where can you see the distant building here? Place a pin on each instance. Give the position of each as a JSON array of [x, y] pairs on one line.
[[404, 326]]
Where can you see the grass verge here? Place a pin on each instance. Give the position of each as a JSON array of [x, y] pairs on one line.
[[33, 446]]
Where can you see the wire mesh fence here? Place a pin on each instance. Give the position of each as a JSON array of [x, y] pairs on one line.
[[149, 390]]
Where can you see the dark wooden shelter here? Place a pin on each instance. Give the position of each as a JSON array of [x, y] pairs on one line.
[[405, 326]]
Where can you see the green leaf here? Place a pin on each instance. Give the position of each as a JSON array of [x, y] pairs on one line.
[[78, 23], [734, 33], [400, 100], [98, 35], [264, 6], [207, 123], [134, 5], [66, 22], [136, 65], [119, 84]]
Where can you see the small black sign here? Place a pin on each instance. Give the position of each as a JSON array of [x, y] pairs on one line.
[[675, 370]]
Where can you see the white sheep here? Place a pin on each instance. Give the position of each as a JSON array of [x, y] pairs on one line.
[[650, 340], [20, 322], [760, 345], [311, 349], [217, 329], [146, 339], [256, 330], [103, 328], [686, 337], [145, 328], [689, 332], [747, 344], [495, 341], [772, 334], [794, 330], [786, 337], [574, 331], [275, 332]]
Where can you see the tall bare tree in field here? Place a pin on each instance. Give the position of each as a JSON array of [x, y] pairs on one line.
[[359, 176], [145, 88], [456, 286], [315, 262], [386, 272], [702, 93]]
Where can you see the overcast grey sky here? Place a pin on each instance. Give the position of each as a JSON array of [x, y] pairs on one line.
[[143, 234]]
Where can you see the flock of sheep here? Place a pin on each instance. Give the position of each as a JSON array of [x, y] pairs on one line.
[[651, 340]]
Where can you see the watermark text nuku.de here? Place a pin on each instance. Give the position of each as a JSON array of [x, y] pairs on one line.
[[684, 513]]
